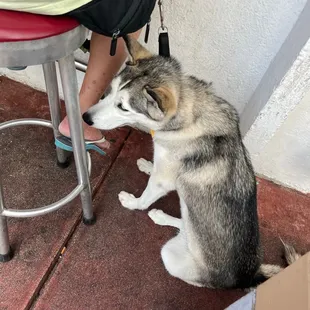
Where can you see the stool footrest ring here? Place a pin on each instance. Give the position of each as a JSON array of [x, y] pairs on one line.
[[56, 205], [43, 210], [26, 121]]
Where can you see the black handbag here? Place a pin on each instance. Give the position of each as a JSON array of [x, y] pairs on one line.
[[114, 18]]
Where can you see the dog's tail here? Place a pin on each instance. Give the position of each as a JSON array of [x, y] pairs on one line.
[[266, 271]]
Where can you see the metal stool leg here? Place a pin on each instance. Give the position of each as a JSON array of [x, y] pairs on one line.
[[50, 77], [6, 253], [70, 89]]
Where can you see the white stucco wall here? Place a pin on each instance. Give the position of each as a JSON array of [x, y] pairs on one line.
[[286, 156], [279, 139], [229, 42]]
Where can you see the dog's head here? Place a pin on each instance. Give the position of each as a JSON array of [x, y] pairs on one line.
[[144, 93]]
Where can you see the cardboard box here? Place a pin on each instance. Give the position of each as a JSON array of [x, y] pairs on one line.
[[288, 290]]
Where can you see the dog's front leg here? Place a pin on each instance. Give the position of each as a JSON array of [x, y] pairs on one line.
[[154, 190]]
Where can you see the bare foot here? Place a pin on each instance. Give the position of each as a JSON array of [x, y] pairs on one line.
[[90, 133]]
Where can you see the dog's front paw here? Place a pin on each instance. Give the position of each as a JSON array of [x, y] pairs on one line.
[[159, 217], [128, 201], [145, 166]]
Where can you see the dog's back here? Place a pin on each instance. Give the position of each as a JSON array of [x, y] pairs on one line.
[[218, 186]]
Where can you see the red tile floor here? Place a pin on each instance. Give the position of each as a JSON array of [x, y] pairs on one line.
[[61, 264]]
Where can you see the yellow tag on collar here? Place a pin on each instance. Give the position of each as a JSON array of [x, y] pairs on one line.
[[152, 132]]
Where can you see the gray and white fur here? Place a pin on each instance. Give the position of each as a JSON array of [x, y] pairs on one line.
[[198, 152]]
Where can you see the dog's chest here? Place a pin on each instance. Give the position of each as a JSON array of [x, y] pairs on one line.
[[165, 163]]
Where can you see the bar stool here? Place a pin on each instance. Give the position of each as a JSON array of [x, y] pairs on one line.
[[30, 39]]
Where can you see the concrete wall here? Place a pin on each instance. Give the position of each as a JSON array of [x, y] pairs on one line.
[[279, 140], [281, 64], [285, 158], [229, 42]]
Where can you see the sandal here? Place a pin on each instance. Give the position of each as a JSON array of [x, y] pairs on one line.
[[65, 143]]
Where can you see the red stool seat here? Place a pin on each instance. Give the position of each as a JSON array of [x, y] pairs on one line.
[[20, 26]]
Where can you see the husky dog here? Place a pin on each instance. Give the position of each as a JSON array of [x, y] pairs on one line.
[[198, 152]]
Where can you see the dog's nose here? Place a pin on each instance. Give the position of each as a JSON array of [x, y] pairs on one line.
[[87, 119]]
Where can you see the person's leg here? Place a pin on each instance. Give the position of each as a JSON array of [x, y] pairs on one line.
[[100, 71]]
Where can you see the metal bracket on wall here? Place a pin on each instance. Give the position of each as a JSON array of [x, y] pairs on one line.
[[80, 66]]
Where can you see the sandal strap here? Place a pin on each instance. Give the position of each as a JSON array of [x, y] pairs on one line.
[[101, 140], [65, 143]]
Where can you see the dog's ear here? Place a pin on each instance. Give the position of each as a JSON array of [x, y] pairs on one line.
[[135, 50], [160, 102]]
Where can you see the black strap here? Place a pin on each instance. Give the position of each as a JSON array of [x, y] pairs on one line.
[[163, 43]]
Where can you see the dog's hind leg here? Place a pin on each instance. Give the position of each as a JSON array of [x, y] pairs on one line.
[[179, 262], [145, 166], [159, 217]]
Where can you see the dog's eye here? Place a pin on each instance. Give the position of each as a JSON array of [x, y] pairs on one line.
[[120, 106]]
